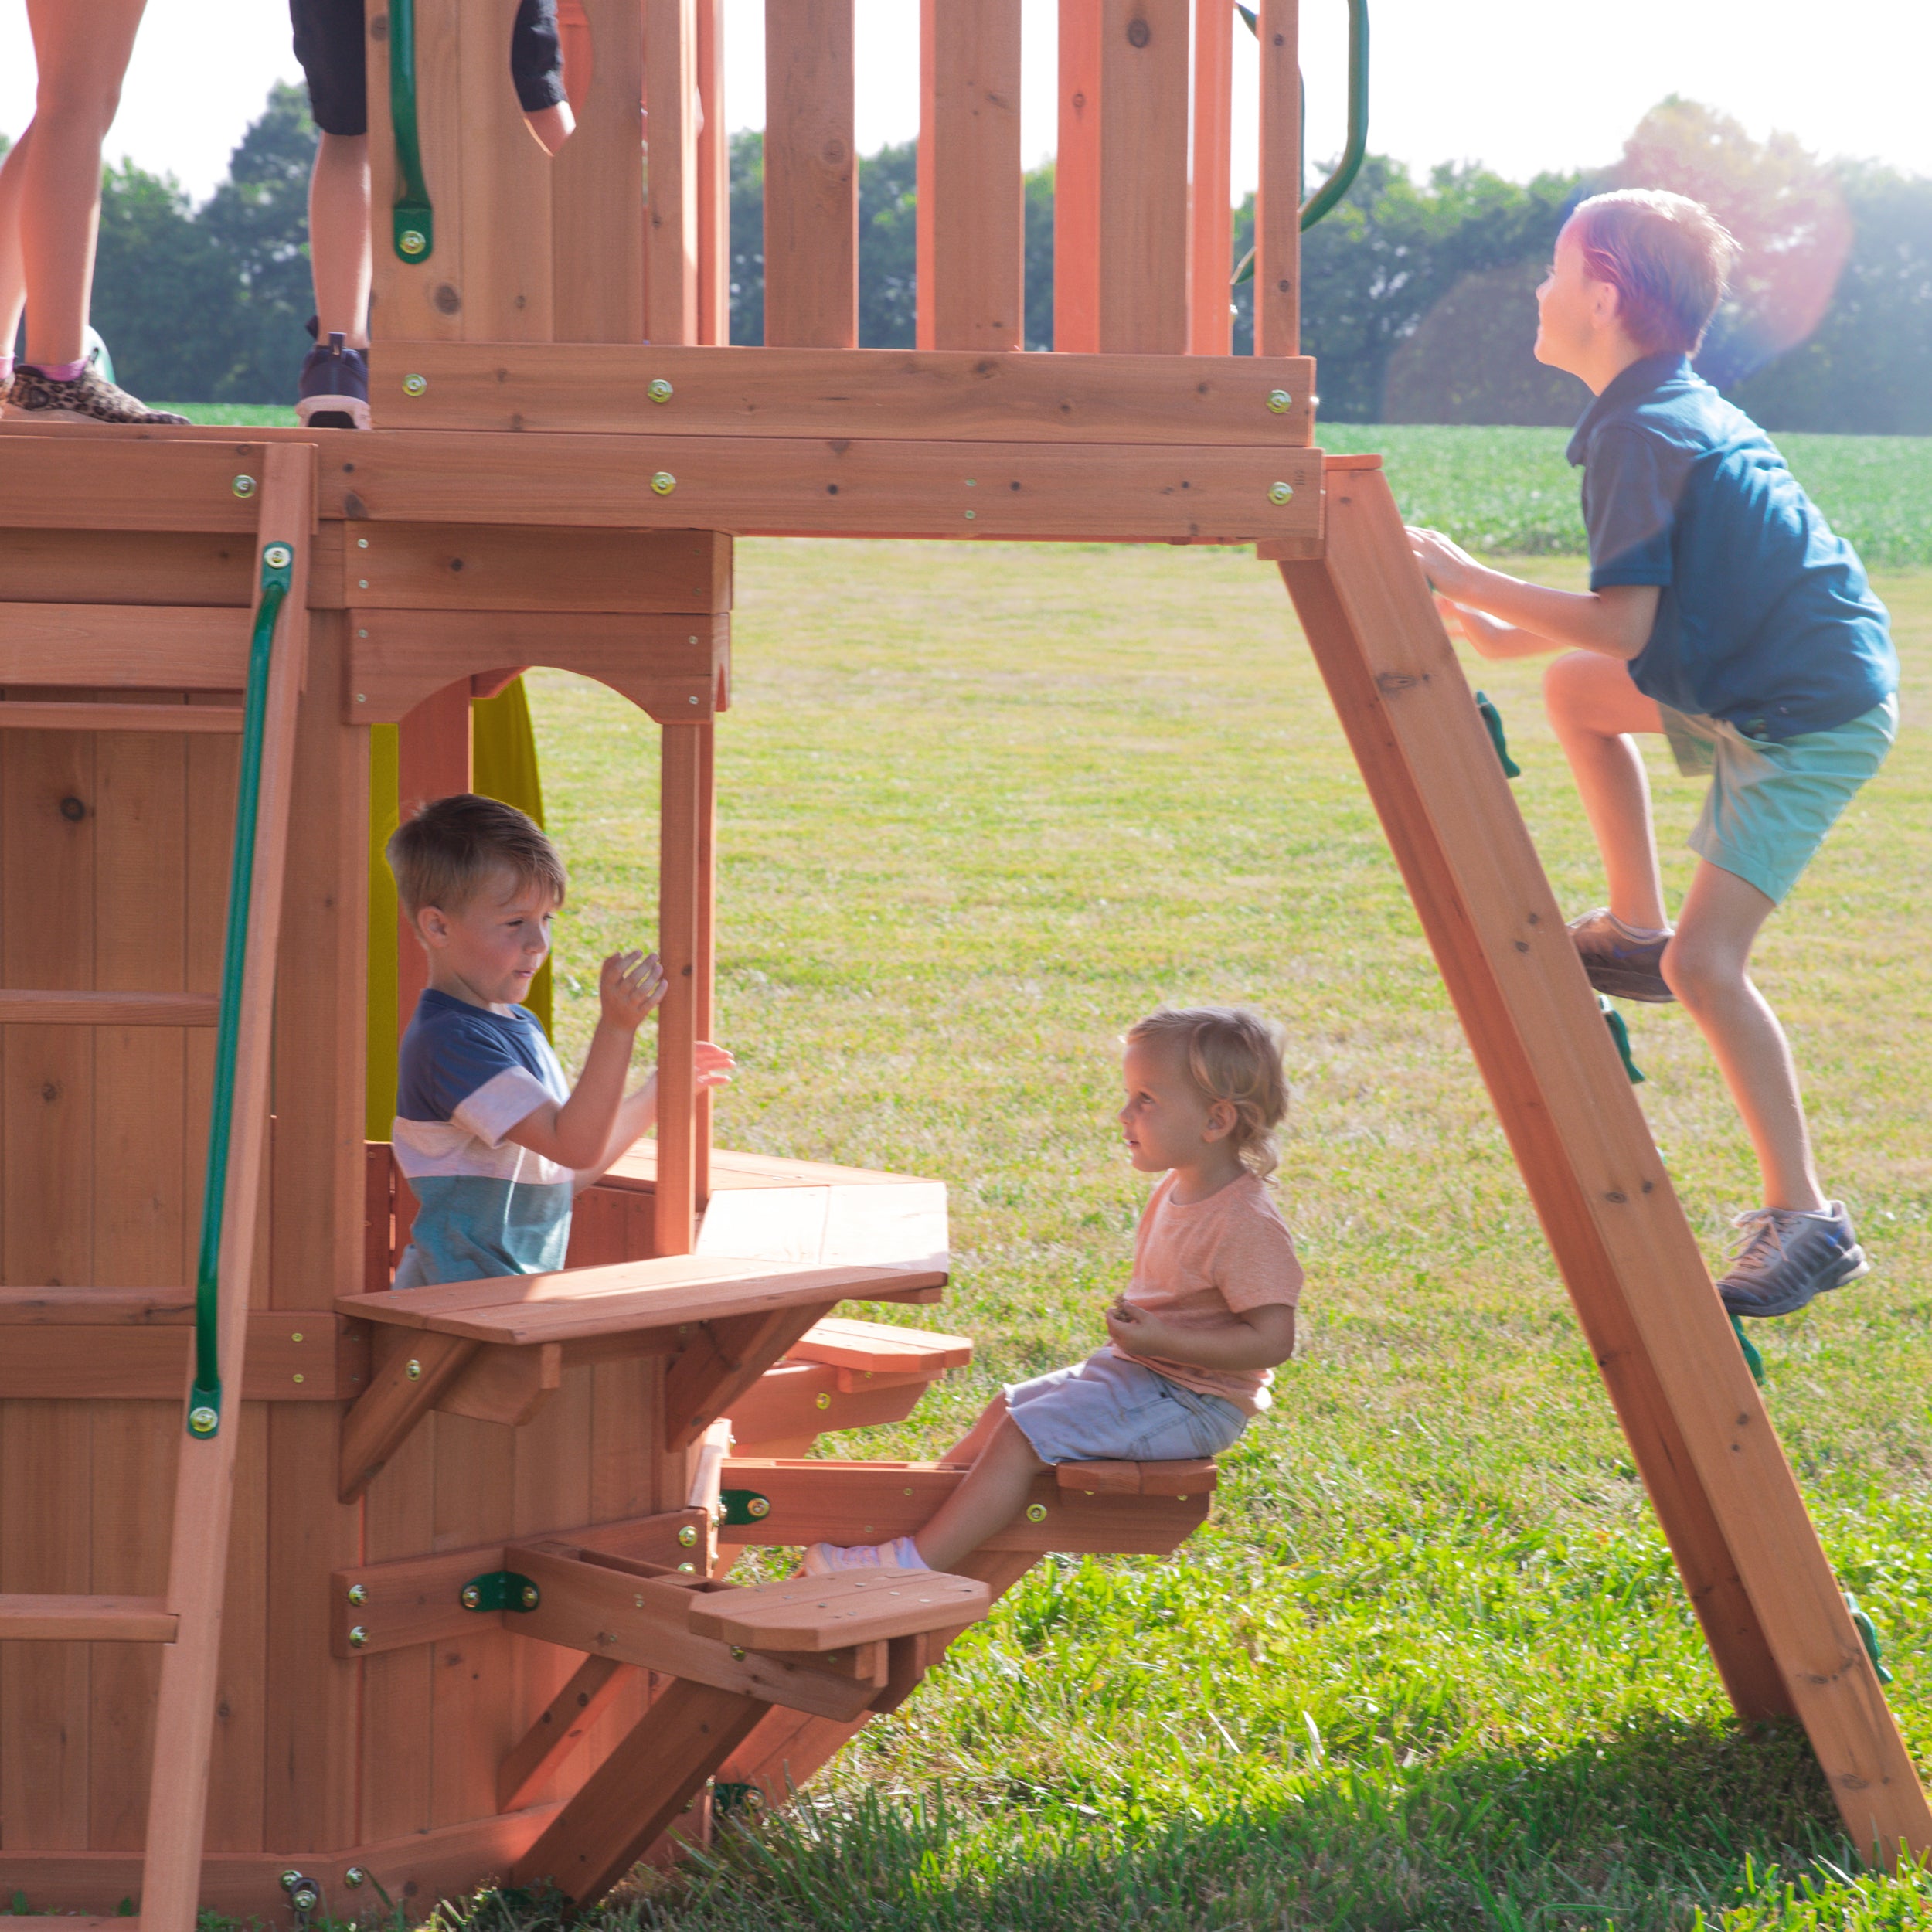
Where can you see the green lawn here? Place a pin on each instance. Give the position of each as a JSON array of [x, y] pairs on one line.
[[1429, 1666]]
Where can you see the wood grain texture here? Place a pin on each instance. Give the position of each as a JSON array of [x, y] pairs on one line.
[[714, 180], [677, 866], [154, 568], [1760, 1585], [559, 1729], [504, 202], [96, 1008], [176, 649], [97, 482], [1077, 182], [1277, 213], [1142, 292], [596, 190], [812, 176], [415, 301], [671, 230], [19, 715], [1210, 211], [972, 217]]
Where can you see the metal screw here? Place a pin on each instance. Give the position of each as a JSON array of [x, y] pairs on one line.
[[971, 515], [415, 385], [306, 1897], [1036, 1512], [531, 1595], [357, 1637], [1280, 401], [297, 1336], [413, 1369], [737, 1653], [358, 1594], [694, 701], [909, 1492], [659, 390], [354, 1877], [411, 241], [687, 1569], [471, 1597], [692, 638], [758, 1507], [823, 1399], [664, 482], [203, 1422], [361, 543], [361, 697], [687, 1534], [298, 1377], [278, 557], [243, 486], [290, 1878], [1280, 492]]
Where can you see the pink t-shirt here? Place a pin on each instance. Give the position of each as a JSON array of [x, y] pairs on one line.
[[1197, 1263]]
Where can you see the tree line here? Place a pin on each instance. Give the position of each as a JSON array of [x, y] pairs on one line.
[[1417, 295]]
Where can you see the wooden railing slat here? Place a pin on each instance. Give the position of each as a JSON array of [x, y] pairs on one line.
[[812, 176], [1143, 177]]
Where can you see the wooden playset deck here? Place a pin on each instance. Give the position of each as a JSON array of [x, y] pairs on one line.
[[434, 1592]]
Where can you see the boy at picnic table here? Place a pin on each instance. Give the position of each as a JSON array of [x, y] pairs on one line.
[[1193, 1338], [493, 1139], [1724, 613]]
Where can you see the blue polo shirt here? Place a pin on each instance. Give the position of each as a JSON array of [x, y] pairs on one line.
[[1765, 618]]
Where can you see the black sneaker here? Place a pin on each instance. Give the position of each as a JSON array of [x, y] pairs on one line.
[[1618, 964], [1785, 1256], [88, 397], [333, 391]]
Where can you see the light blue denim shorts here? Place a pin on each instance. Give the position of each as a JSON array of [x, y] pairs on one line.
[[1107, 1409], [1772, 801]]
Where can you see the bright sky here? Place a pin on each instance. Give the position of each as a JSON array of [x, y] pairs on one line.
[[1521, 85]]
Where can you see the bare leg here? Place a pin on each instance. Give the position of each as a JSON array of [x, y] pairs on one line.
[[1593, 707], [965, 1452], [552, 127], [1707, 965], [82, 52], [13, 274], [339, 237], [993, 1494]]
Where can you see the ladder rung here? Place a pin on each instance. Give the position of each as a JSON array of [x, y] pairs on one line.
[[86, 1620], [31, 715], [25, 1008]]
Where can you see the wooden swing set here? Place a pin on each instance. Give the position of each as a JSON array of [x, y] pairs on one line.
[[308, 1586]]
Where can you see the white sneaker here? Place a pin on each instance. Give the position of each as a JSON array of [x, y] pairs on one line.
[[829, 1560]]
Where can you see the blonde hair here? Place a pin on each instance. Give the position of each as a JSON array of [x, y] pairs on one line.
[[1668, 257], [1230, 1054], [447, 851]]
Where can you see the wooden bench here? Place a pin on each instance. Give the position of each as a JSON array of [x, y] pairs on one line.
[[497, 1348], [842, 1374]]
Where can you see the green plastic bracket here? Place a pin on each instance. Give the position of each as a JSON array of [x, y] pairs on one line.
[[1493, 719], [499, 1589], [730, 1800], [1753, 1360], [1868, 1632], [1620, 1034], [743, 1505], [204, 1400], [412, 220]]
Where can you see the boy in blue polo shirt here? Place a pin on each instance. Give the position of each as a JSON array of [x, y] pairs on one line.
[[491, 1137], [1724, 613]]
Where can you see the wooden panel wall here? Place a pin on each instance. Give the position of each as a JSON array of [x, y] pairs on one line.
[[812, 176], [671, 242], [597, 187]]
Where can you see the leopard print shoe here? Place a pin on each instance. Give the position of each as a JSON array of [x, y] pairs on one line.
[[88, 397]]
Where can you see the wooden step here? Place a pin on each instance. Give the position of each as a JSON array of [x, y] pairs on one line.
[[1179, 1480], [826, 1613], [25, 1008], [878, 1348], [31, 715], [86, 1620]]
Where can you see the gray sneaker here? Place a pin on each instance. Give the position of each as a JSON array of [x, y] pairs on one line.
[[1785, 1256], [1617, 964]]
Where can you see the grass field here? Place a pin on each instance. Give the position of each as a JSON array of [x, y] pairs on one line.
[[1429, 1666]]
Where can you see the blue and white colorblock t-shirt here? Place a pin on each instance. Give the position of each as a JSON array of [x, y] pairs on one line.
[[466, 1077]]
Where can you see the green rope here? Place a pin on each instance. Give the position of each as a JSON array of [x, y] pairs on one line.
[[412, 220], [1493, 719], [204, 1403], [1868, 1632]]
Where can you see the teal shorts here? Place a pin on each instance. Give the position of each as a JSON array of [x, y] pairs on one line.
[[1771, 802]]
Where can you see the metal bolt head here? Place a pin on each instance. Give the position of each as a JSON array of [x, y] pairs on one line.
[[358, 1594], [659, 390], [687, 1534], [687, 1569], [278, 557], [413, 385], [297, 1336], [823, 1398], [411, 241], [305, 1897], [471, 1597], [664, 482], [1280, 401], [530, 1596], [298, 1377], [243, 486], [354, 1877], [413, 1369], [290, 1878], [1280, 492], [737, 1653], [203, 1422], [1036, 1512], [758, 1508], [357, 1637]]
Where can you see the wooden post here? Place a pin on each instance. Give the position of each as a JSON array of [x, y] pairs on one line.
[[1210, 213], [704, 977], [507, 238], [1077, 182], [1277, 200], [433, 761], [671, 246], [812, 176], [972, 215], [1760, 1585], [596, 184], [678, 872], [714, 180], [1143, 293]]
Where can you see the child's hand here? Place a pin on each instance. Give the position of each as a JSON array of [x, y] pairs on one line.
[[1449, 567], [714, 1067], [629, 986], [1454, 618], [1128, 1325]]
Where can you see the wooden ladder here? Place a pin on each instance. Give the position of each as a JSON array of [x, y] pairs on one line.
[[187, 1621]]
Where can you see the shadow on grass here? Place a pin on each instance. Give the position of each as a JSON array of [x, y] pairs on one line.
[[1666, 1825]]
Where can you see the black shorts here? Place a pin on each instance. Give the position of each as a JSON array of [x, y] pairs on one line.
[[329, 43]]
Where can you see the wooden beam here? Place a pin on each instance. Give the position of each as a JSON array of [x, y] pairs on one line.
[[640, 1790], [972, 212], [401, 1392], [22, 1007], [1077, 182], [292, 1356], [1277, 210], [944, 394], [812, 176], [507, 1386], [19, 715], [1210, 210], [1143, 289], [671, 234], [180, 648], [89, 481], [779, 486], [1761, 1587], [704, 954], [724, 1361], [558, 1729], [505, 203]]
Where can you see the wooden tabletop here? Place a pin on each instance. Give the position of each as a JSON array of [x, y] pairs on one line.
[[579, 1304]]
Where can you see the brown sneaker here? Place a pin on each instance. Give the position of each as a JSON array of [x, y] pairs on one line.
[[1619, 962], [88, 397]]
